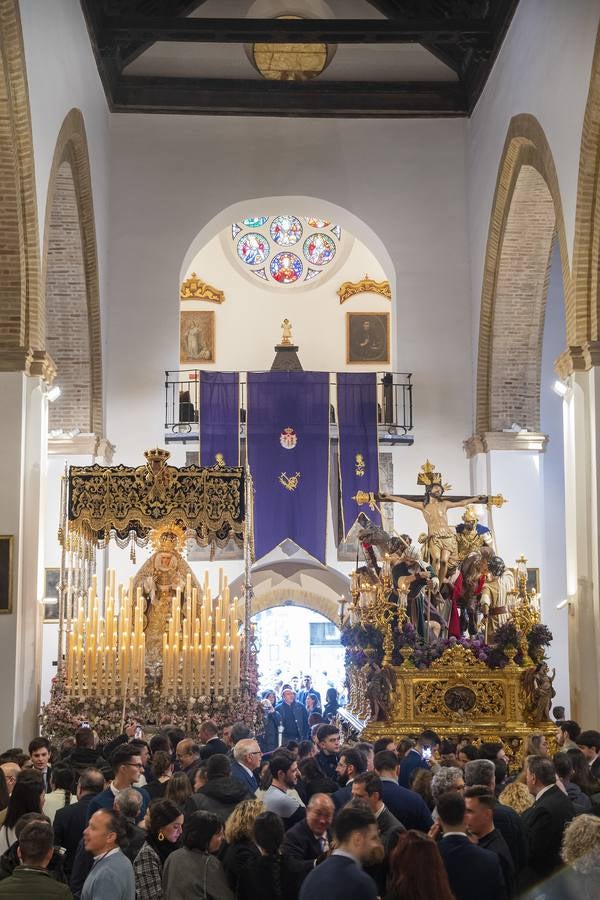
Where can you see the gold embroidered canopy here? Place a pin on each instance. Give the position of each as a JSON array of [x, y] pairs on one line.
[[126, 502]]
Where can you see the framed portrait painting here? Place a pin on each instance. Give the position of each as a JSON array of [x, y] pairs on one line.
[[197, 337], [51, 579], [367, 338], [6, 558]]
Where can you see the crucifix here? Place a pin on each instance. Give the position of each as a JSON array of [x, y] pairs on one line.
[[441, 537]]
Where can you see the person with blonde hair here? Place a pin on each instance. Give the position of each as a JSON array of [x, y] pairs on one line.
[[581, 853], [517, 796], [241, 849]]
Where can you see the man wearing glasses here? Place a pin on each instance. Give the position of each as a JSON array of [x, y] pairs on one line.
[[127, 766], [246, 756]]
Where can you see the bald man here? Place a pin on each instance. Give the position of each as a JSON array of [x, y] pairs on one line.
[[188, 757], [310, 838], [11, 770]]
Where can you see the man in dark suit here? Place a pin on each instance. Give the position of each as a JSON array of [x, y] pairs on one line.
[[589, 744], [70, 821], [408, 807], [39, 752], [480, 803], [545, 821], [369, 787], [472, 871], [309, 689], [341, 876], [209, 738], [416, 757], [351, 763], [310, 838], [294, 717], [246, 756], [506, 820]]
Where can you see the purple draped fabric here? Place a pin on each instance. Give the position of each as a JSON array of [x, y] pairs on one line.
[[288, 454], [219, 417], [357, 421]]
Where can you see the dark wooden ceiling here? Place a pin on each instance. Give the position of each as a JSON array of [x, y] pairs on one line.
[[465, 35]]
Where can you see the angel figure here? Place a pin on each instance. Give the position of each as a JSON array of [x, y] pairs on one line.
[[381, 683], [538, 687]]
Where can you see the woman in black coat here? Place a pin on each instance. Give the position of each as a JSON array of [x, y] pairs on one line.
[[274, 875], [240, 850]]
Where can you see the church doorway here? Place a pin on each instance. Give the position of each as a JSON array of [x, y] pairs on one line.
[[294, 641]]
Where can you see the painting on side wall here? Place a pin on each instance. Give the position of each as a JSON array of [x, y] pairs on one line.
[[367, 338], [51, 579], [6, 556], [197, 337]]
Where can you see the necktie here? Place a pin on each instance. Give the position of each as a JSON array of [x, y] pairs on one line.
[[324, 844]]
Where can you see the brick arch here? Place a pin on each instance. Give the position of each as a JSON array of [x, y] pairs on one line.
[[586, 247], [21, 311], [526, 215], [70, 278]]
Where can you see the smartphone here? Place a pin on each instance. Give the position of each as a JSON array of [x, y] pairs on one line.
[[427, 753], [138, 733], [84, 725]]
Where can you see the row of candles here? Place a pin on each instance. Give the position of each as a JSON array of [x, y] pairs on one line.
[[202, 654], [106, 646], [106, 650]]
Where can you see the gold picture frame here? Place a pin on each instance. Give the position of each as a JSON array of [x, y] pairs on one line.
[[6, 560], [368, 338], [197, 337]]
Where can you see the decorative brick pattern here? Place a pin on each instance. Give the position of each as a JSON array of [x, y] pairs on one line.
[[21, 314], [70, 276], [526, 213]]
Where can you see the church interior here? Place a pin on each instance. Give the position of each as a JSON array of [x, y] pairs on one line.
[[300, 376]]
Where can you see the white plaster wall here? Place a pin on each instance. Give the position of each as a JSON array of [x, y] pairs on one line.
[[543, 69], [318, 319], [61, 75]]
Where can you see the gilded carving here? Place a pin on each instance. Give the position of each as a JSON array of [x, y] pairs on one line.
[[193, 288], [365, 286]]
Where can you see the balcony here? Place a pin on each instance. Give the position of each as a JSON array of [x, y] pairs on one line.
[[394, 407]]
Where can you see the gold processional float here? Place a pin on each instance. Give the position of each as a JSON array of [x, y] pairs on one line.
[[406, 671], [163, 648]]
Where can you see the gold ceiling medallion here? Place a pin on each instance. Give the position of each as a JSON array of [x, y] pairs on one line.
[[193, 288], [290, 62], [364, 286]]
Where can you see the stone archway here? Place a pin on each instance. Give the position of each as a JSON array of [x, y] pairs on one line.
[[526, 214], [22, 325], [70, 276]]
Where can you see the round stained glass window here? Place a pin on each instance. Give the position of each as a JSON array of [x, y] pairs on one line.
[[286, 230], [255, 222], [319, 249], [253, 249], [318, 223], [286, 268]]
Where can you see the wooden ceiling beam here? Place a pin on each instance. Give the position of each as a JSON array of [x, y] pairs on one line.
[[212, 96], [117, 30]]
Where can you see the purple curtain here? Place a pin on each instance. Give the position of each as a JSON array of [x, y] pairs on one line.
[[357, 421], [288, 454], [219, 417]]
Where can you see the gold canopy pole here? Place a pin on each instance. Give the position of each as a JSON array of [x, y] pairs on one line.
[[248, 591], [62, 582]]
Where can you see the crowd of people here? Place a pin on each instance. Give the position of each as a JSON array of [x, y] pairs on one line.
[[217, 817]]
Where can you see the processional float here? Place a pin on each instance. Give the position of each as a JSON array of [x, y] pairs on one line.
[[162, 646], [439, 633]]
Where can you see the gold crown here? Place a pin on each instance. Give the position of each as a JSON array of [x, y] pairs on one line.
[[169, 536], [156, 460], [429, 476]]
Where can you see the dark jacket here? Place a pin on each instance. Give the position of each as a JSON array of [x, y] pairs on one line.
[[496, 843], [300, 843], [323, 785], [69, 823], [239, 772], [409, 764], [388, 824], [581, 802], [33, 884], [544, 823], [9, 862], [272, 877], [294, 719], [311, 692], [330, 711], [269, 739], [342, 796], [509, 824], [472, 871], [328, 763], [88, 758], [236, 857], [338, 878], [409, 808], [215, 745], [220, 796], [156, 789], [106, 800]]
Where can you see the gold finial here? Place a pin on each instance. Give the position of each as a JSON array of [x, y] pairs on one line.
[[286, 333]]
